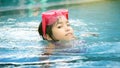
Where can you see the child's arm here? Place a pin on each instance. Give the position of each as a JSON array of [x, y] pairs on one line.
[[90, 34]]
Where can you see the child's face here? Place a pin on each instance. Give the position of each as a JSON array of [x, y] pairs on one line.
[[62, 29]]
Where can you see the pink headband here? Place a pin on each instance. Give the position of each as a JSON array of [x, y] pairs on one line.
[[50, 17]]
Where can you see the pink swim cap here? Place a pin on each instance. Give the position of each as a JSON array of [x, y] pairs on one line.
[[50, 17]]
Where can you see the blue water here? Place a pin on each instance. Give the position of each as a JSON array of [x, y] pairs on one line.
[[21, 46]]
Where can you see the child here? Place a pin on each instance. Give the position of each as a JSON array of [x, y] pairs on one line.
[[55, 27]]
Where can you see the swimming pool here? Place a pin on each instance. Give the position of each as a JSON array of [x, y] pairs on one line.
[[21, 46]]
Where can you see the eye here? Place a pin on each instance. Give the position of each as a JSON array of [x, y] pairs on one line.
[[59, 26]]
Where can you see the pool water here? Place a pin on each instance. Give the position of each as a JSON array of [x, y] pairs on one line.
[[21, 46]]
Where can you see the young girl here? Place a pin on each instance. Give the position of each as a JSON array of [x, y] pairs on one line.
[[56, 29], [55, 26]]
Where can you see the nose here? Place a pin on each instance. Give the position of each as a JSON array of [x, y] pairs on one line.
[[67, 28]]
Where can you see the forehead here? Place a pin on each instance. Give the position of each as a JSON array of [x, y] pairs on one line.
[[61, 20]]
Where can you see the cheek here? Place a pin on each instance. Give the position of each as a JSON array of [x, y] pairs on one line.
[[58, 33]]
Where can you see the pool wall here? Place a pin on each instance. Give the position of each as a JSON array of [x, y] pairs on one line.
[[7, 8]]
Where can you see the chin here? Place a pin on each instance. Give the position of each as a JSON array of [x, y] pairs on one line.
[[70, 38]]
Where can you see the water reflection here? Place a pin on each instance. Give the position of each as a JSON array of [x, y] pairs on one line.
[[31, 7], [22, 7]]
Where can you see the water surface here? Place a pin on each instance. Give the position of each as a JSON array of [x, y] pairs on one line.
[[21, 46]]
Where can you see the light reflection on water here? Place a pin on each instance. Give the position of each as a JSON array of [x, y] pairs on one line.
[[21, 46]]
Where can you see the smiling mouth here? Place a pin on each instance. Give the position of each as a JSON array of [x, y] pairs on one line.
[[68, 34]]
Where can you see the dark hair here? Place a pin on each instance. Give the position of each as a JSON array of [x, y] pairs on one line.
[[48, 31]]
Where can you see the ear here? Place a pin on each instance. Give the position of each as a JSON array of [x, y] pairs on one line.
[[47, 37]]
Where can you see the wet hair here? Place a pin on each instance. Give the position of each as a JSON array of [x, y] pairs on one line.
[[48, 31]]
